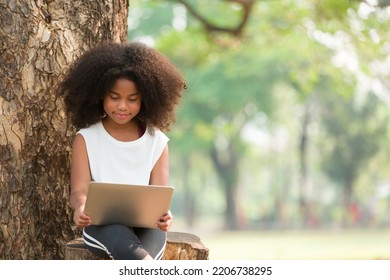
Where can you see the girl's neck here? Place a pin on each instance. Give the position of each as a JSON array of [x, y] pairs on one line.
[[123, 132]]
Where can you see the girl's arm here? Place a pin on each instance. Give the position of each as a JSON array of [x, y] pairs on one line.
[[160, 176], [80, 179], [160, 172]]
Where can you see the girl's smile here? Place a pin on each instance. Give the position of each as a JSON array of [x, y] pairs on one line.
[[122, 116]]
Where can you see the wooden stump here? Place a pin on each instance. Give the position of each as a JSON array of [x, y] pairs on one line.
[[185, 246], [180, 246]]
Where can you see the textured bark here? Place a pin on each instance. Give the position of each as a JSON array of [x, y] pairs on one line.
[[185, 246], [38, 41], [180, 246]]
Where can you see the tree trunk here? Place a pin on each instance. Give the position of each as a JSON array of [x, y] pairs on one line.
[[347, 201], [226, 163], [189, 205], [304, 204], [39, 39]]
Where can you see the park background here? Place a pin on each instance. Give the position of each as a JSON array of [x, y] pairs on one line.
[[281, 145]]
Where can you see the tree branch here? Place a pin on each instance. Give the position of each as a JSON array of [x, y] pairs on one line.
[[236, 31]]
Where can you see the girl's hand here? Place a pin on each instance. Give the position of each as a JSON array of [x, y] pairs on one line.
[[81, 219], [165, 222]]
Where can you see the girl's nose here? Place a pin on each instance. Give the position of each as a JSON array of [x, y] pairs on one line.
[[122, 105]]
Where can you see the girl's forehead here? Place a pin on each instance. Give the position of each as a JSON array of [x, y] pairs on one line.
[[123, 86]]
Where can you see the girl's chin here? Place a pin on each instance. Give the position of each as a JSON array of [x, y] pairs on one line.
[[122, 118]]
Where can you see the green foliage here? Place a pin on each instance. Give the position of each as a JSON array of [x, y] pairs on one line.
[[355, 134], [332, 9], [143, 19]]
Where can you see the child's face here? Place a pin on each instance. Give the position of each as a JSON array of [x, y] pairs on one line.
[[122, 102]]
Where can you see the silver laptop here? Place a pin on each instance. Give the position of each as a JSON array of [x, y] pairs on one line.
[[130, 205]]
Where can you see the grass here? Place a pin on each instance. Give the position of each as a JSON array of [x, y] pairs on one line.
[[357, 244]]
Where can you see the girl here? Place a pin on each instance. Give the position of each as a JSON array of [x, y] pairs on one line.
[[121, 97]]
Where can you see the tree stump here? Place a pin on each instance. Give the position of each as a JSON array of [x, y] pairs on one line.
[[180, 246]]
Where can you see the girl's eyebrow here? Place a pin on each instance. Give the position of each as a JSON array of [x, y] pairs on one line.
[[135, 93]]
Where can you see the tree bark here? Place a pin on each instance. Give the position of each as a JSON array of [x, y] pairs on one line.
[[39, 39]]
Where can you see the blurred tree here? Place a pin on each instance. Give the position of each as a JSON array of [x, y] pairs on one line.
[[354, 135], [220, 101]]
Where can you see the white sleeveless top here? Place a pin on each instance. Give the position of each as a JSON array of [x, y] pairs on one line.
[[114, 161]]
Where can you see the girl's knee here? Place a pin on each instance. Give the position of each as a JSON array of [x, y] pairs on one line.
[[132, 251]]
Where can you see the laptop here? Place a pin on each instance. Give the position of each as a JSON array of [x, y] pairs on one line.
[[130, 205]]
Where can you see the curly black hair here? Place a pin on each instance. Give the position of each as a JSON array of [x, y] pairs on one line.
[[89, 78]]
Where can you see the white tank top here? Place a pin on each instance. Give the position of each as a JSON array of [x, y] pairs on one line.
[[114, 161]]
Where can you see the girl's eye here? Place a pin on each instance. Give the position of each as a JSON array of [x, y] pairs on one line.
[[114, 97], [133, 98]]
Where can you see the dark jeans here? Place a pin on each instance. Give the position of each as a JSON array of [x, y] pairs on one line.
[[123, 243]]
